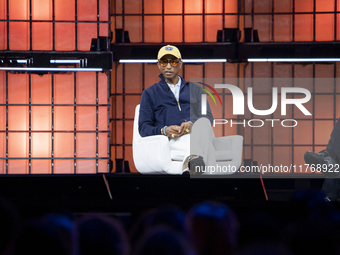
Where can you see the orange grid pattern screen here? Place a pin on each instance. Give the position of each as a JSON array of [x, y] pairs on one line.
[[57, 122], [198, 21], [62, 130], [71, 28]]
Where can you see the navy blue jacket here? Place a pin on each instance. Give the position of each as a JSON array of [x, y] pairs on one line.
[[159, 108]]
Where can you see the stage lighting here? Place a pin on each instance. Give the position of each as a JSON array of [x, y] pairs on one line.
[[293, 59], [154, 61]]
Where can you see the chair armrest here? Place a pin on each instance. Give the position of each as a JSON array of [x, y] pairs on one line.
[[151, 154], [233, 143], [225, 142]]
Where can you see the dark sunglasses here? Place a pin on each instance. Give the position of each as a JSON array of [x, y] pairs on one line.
[[173, 62]]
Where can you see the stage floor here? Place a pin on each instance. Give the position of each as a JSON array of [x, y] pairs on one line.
[[39, 194]]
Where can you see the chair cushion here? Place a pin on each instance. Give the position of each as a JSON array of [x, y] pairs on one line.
[[223, 155]]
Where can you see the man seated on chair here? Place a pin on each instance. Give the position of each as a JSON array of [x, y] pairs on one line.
[[172, 107]]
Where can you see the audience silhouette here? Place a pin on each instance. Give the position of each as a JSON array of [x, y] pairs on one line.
[[308, 225]]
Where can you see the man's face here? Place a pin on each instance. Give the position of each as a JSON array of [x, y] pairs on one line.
[[169, 71]]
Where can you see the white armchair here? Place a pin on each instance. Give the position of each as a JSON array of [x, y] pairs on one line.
[[152, 154]]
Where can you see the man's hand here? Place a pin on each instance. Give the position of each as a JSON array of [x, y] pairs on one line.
[[185, 128], [172, 131], [175, 131]]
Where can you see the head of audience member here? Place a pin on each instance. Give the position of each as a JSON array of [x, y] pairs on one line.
[[40, 237], [161, 240], [64, 224], [265, 248], [213, 229], [309, 204], [257, 227], [101, 235], [170, 216], [314, 227], [313, 237]]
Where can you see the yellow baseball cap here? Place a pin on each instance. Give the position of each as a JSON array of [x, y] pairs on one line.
[[169, 49]]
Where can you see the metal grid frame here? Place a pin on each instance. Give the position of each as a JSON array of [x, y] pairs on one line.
[[53, 105], [241, 71], [315, 147], [53, 22], [53, 131], [182, 15], [273, 13]]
